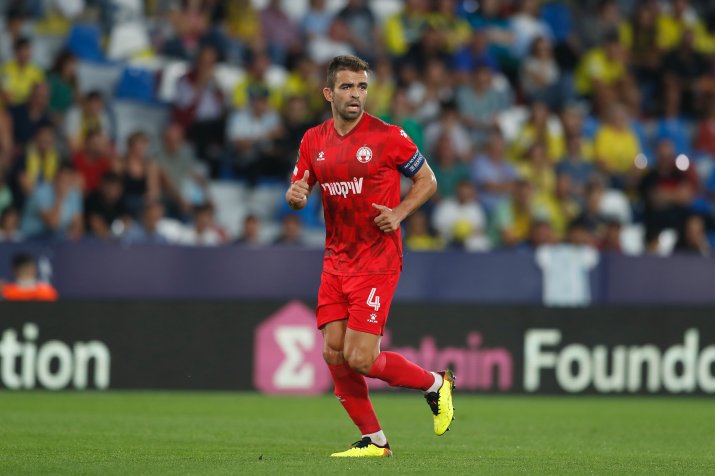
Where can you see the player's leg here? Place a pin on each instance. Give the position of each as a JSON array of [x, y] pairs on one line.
[[370, 300], [350, 386]]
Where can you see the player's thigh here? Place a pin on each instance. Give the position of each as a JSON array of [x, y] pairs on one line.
[[369, 301], [332, 300]]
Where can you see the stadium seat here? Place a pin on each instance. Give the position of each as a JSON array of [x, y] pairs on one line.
[[84, 40], [227, 76], [229, 199], [136, 84], [132, 116], [128, 39], [615, 204], [102, 77], [169, 78]]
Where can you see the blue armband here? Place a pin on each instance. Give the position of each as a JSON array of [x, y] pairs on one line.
[[412, 166]]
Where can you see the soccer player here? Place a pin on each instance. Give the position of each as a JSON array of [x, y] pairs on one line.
[[356, 160]]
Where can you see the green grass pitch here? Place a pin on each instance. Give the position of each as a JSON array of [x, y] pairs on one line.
[[241, 433]]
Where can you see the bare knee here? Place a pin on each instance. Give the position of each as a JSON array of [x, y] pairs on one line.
[[333, 356], [360, 360]]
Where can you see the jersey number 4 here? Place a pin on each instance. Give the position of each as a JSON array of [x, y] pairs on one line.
[[373, 301]]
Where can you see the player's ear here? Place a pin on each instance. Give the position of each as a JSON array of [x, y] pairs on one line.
[[328, 94]]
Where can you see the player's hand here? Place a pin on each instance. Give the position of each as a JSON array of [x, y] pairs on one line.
[[388, 220], [297, 195]]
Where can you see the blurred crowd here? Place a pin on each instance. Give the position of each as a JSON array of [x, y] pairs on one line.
[[589, 122]]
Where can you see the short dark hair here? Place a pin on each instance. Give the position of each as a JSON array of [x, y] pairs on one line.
[[342, 62], [20, 260], [21, 42]]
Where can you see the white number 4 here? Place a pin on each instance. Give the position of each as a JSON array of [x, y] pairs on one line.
[[373, 301]]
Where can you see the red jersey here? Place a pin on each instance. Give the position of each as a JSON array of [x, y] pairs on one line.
[[352, 172]]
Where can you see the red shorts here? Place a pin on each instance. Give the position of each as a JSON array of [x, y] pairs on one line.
[[363, 300]]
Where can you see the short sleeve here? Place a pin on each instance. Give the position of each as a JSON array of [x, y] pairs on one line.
[[407, 157], [303, 163]]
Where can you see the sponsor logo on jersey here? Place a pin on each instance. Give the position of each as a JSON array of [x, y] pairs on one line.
[[344, 188], [364, 154], [321, 155]]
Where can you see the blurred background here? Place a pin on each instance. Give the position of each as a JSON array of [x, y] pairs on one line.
[[145, 148]]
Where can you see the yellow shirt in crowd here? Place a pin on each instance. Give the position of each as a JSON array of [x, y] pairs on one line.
[[617, 148], [17, 82], [596, 66]]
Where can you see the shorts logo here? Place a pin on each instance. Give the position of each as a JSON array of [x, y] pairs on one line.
[[364, 155], [373, 318]]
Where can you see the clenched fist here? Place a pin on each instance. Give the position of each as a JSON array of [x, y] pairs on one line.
[[297, 194]]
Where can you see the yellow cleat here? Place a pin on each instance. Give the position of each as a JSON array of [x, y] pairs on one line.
[[365, 448], [441, 404]]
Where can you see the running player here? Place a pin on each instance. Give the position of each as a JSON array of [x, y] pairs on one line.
[[356, 161]]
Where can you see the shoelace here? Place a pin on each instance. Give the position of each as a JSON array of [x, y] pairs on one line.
[[433, 401], [362, 443]]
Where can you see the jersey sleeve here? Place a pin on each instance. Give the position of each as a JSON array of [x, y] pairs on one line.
[[407, 157], [303, 164]]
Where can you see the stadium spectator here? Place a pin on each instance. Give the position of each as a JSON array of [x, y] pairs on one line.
[[448, 124], [591, 215], [252, 132], [430, 47], [317, 20], [461, 221], [667, 192], [303, 80], [148, 229], [538, 129], [89, 115], [280, 33], [489, 19], [640, 38], [29, 115], [93, 160], [526, 25], [692, 238], [671, 125], [575, 167], [256, 76], [16, 26], [512, 218], [39, 163], [291, 233], [140, 175], [427, 95], [200, 107], [454, 30], [541, 233], [10, 225], [493, 174], [191, 23], [362, 27], [579, 233], [602, 72], [616, 147], [104, 207], [574, 124], [540, 75], [611, 240], [251, 232], [322, 49], [54, 209], [607, 22], [26, 285], [382, 87], [704, 141], [182, 177], [7, 145], [472, 55], [63, 83], [674, 22], [401, 114], [5, 192], [296, 121], [448, 168], [404, 28], [419, 236], [204, 231], [481, 100], [19, 75], [688, 73]]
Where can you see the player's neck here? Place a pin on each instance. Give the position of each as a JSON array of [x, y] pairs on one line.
[[343, 127]]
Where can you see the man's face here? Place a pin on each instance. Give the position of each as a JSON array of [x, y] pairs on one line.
[[349, 94]]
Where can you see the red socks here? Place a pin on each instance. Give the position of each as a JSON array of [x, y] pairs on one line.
[[351, 390], [396, 370]]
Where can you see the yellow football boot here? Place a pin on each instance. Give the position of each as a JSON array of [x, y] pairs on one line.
[[441, 403], [365, 448]]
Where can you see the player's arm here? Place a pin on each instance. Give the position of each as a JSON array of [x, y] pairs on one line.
[[424, 185]]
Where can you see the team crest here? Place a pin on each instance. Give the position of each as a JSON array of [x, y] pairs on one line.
[[364, 155]]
